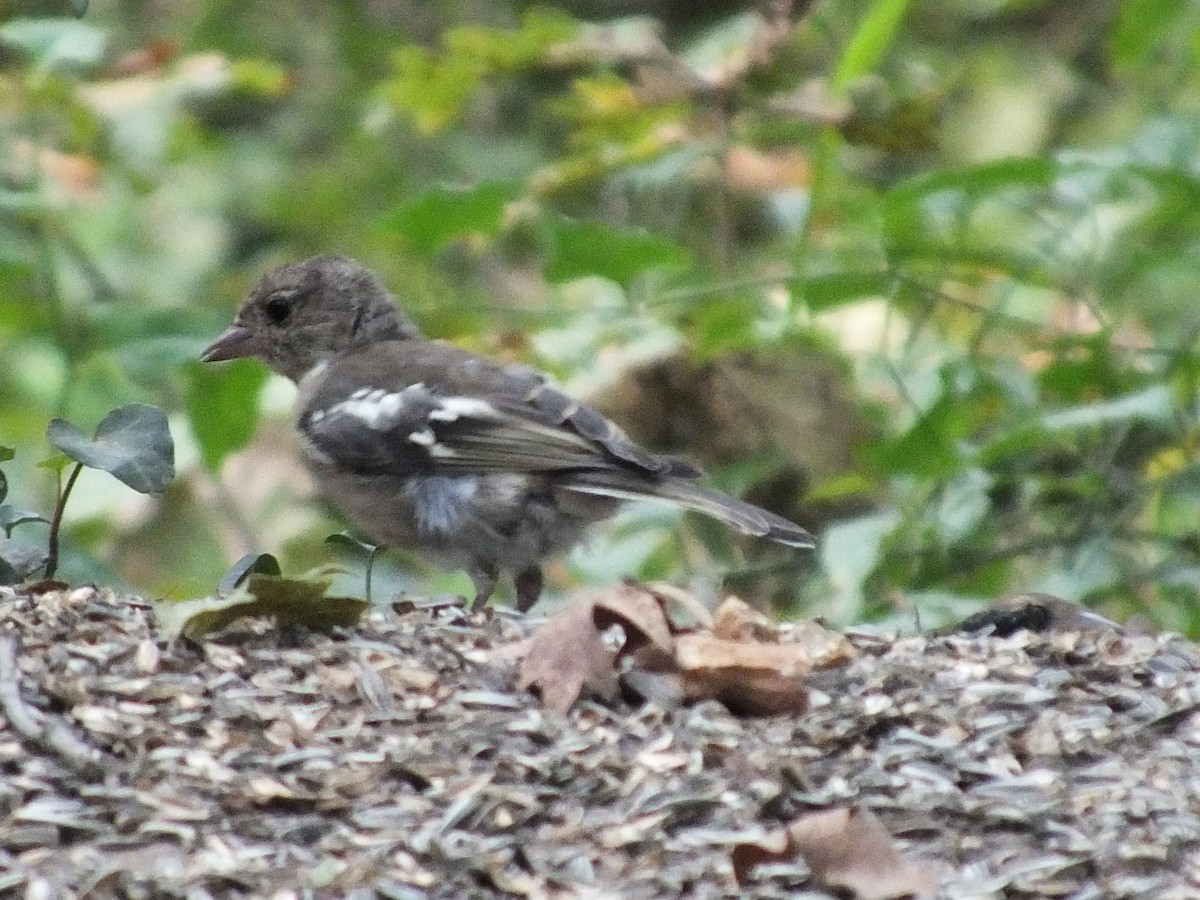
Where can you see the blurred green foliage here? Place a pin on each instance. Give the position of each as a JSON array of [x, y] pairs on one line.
[[986, 208]]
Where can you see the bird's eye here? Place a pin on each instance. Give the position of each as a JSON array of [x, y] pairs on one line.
[[278, 308]]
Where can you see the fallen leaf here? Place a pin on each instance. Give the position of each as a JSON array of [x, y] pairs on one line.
[[737, 620], [846, 847], [756, 678], [824, 648], [749, 677], [773, 847], [295, 601], [640, 612], [566, 655], [849, 847], [700, 614]]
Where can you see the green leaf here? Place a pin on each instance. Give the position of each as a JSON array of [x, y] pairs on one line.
[[347, 544], [56, 463], [850, 551], [432, 89], [19, 560], [442, 214], [291, 601], [250, 564], [932, 447], [579, 249], [1143, 26], [870, 42], [1153, 404], [824, 292], [12, 516], [221, 410], [977, 215], [964, 504], [55, 43], [132, 443]]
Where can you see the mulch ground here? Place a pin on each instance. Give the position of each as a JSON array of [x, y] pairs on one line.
[[397, 760]]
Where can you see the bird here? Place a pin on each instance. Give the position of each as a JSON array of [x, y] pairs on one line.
[[472, 463]]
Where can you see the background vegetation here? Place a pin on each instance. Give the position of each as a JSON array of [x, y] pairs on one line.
[[926, 270]]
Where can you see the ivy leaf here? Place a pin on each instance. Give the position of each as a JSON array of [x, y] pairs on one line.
[[12, 516], [56, 463], [19, 560], [132, 443], [351, 545], [291, 601], [250, 564]]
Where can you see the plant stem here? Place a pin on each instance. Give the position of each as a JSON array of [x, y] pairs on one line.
[[371, 568], [56, 521]]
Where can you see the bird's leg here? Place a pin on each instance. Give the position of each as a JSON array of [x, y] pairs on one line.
[[484, 577], [529, 588]]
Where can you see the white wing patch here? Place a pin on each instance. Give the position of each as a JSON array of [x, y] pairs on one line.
[[449, 409], [425, 438], [374, 407]]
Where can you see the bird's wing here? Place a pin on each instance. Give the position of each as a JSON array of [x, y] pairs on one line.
[[406, 406]]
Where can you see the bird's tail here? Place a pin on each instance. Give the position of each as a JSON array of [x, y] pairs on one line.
[[745, 517]]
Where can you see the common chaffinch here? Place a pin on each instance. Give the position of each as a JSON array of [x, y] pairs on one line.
[[476, 464]]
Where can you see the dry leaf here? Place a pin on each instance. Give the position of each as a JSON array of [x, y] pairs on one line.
[[737, 620], [774, 846], [824, 648], [565, 655], [568, 652], [749, 677], [847, 848], [640, 612], [668, 593], [694, 652]]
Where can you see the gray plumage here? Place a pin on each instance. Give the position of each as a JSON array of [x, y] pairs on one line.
[[476, 464]]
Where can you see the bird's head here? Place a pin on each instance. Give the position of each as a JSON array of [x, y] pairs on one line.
[[302, 313]]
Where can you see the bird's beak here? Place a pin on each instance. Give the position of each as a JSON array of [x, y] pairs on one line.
[[235, 342]]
